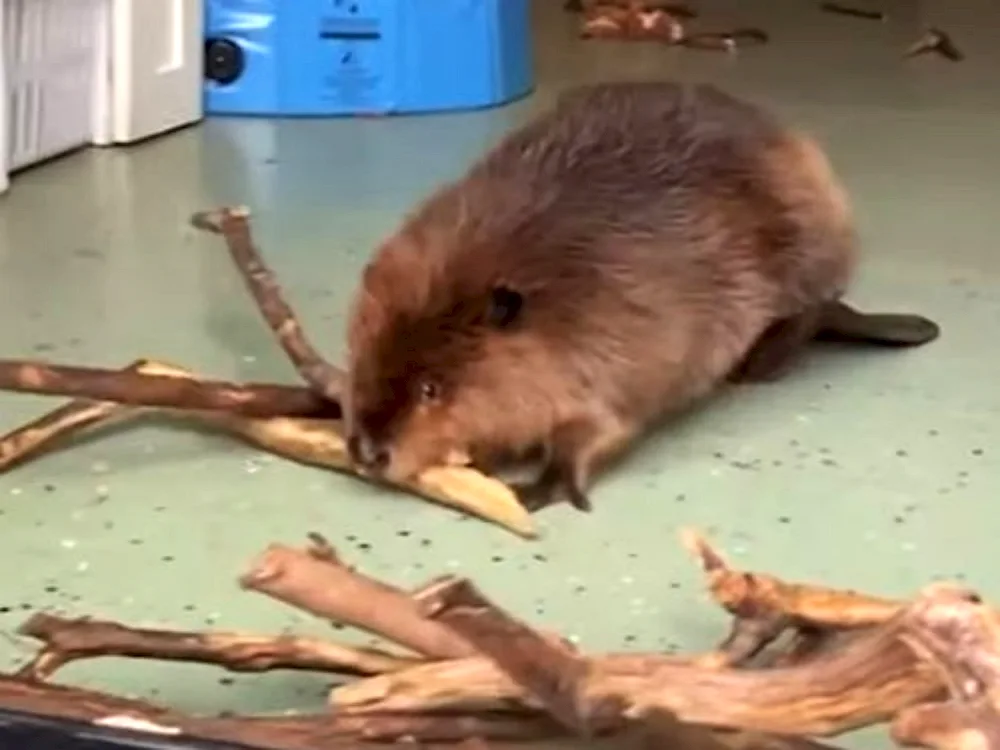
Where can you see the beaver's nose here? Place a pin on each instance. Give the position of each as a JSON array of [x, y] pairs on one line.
[[366, 452]]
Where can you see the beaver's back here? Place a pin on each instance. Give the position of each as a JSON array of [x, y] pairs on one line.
[[687, 163], [654, 229]]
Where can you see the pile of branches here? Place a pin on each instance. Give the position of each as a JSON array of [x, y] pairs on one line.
[[800, 662]]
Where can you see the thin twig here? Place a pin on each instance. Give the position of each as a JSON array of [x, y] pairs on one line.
[[234, 225], [138, 389], [27, 441], [310, 442], [67, 640]]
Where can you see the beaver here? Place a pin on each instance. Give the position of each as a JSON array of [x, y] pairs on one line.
[[616, 259]]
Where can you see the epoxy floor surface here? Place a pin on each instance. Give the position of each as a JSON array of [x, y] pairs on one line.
[[871, 470]]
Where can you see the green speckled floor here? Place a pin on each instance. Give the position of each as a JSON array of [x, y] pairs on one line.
[[866, 469]]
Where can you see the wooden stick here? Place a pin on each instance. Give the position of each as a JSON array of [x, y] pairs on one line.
[[477, 685], [555, 677], [234, 226], [474, 683], [338, 731], [758, 595], [296, 732], [27, 441], [659, 730], [313, 579], [67, 640], [951, 628], [139, 389], [312, 442]]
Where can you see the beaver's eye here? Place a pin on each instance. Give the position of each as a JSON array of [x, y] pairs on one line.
[[429, 390]]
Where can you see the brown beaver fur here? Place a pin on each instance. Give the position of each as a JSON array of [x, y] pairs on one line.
[[612, 261]]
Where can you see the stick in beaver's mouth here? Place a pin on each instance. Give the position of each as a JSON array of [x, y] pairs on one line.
[[315, 442]]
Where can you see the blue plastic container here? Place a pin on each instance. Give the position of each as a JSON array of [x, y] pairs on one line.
[[341, 57]]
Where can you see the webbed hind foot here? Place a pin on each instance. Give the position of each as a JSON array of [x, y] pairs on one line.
[[553, 486], [576, 449]]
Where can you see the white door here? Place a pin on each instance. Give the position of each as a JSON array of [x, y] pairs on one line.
[[4, 113], [156, 73]]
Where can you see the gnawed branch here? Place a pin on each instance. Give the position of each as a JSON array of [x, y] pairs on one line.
[[312, 442], [137, 388], [67, 640]]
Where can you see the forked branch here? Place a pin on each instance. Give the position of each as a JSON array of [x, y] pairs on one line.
[[234, 226], [649, 699], [307, 441]]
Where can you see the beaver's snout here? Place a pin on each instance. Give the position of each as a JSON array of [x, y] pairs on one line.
[[368, 453]]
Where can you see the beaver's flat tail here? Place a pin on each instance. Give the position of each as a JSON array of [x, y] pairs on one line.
[[841, 322]]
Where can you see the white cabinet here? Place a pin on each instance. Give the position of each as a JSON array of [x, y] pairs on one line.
[[95, 72]]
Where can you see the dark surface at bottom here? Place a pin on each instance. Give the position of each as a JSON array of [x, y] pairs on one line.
[[20, 731]]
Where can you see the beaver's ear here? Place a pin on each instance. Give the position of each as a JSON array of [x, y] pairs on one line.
[[505, 306]]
